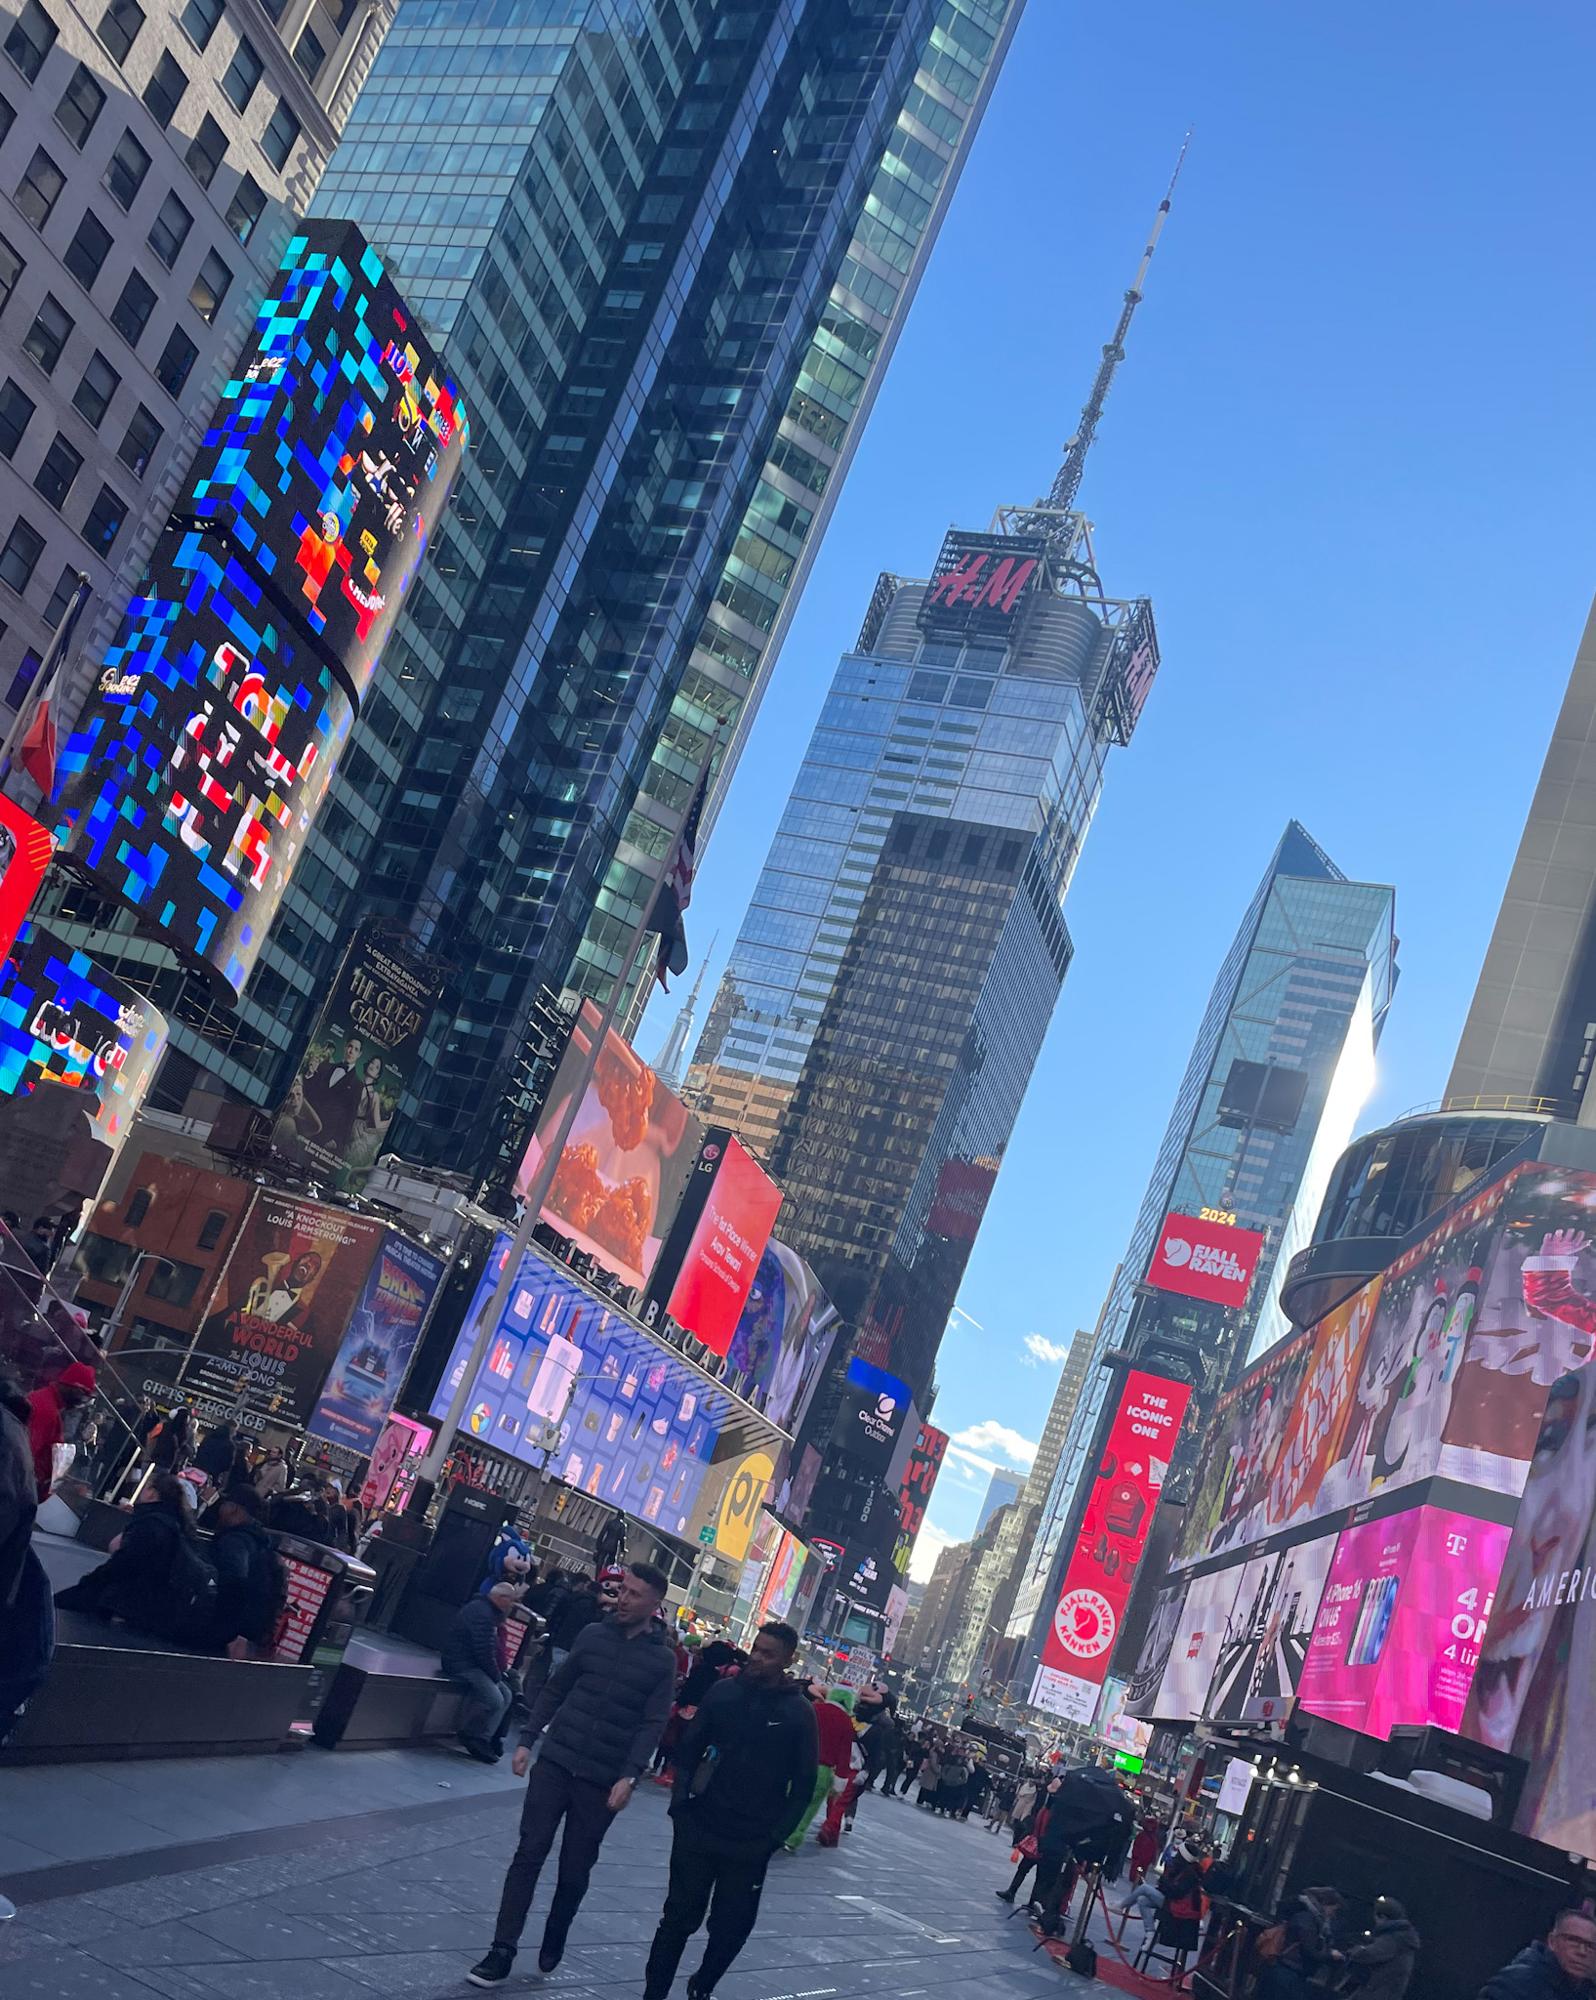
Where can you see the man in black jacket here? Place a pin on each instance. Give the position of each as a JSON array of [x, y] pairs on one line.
[[251, 1583], [470, 1657], [745, 1773], [603, 1708], [1560, 1967]]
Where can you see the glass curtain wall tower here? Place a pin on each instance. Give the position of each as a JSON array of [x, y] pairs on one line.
[[1283, 1061], [667, 245]]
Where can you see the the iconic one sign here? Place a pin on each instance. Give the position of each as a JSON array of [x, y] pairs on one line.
[[208, 741], [1205, 1260], [1101, 1572]]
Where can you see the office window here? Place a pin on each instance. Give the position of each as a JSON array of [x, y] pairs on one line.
[[142, 442], [48, 334], [30, 39], [105, 520], [8, 118], [280, 136], [211, 1229], [81, 104], [243, 73], [62, 464], [125, 175], [61, 597], [11, 268], [20, 556], [246, 208], [86, 253], [16, 409], [39, 188], [212, 282], [177, 358], [169, 230], [131, 313], [310, 55], [92, 397], [164, 91], [206, 151], [200, 19], [120, 25]]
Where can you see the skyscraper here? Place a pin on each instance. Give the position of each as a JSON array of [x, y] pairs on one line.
[[1002, 1488], [668, 245], [890, 986], [151, 165], [1282, 1063], [1531, 1030]]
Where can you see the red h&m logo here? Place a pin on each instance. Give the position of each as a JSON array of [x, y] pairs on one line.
[[971, 583]]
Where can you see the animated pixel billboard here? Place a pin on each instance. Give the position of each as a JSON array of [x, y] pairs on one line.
[[206, 746]]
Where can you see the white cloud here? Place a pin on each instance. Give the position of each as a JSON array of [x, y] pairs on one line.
[[1039, 1350], [928, 1545], [990, 1447]]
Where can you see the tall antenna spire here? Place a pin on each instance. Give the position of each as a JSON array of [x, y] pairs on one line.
[[672, 1059], [1067, 484]]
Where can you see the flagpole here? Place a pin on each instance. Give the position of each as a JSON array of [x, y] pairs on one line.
[[45, 679], [538, 1191]]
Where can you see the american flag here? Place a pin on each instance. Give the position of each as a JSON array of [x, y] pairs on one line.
[[676, 891]]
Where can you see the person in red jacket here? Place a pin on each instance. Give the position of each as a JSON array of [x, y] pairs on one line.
[[47, 1408], [847, 1775]]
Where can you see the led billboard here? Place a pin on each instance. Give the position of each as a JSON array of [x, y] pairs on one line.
[[626, 1159], [65, 1022], [1205, 1260], [712, 1255], [875, 1408], [282, 1305], [1194, 1650], [336, 1115], [569, 1382], [1534, 1689], [1439, 1367], [1101, 1571], [209, 737], [369, 1367], [25, 851], [1397, 1636], [783, 1339], [1267, 1633]]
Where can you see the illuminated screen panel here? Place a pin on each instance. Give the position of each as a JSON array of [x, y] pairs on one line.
[[209, 737], [632, 1423]]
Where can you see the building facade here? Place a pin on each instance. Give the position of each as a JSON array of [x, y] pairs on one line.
[[668, 246], [1529, 1041], [151, 165], [1002, 1488], [1282, 1063]]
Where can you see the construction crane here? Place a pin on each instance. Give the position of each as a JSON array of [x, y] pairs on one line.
[[1061, 499]]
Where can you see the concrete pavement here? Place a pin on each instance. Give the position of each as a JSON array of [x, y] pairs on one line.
[[331, 1876]]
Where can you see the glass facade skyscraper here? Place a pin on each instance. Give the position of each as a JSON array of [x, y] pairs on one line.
[[892, 981], [666, 246], [1283, 1061]]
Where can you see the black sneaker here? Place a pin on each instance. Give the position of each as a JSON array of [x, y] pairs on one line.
[[548, 1961], [495, 1968]]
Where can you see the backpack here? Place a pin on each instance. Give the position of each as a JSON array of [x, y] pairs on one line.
[[1082, 1958], [189, 1614], [1271, 1945]]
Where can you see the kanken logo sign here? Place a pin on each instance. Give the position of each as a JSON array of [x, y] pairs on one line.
[[1084, 1624], [1205, 1260]]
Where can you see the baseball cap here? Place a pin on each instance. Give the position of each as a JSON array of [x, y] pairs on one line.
[[614, 1574]]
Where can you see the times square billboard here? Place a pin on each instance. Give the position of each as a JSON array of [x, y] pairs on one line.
[[1393, 1520], [210, 735]]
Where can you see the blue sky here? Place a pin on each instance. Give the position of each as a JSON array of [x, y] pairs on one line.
[[1348, 458]]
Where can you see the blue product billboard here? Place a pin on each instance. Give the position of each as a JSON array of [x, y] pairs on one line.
[[625, 1419], [210, 734], [377, 1345]]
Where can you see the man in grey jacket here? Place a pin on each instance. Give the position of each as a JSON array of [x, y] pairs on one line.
[[600, 1714]]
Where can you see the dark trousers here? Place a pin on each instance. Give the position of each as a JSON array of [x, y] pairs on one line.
[[552, 1795], [1027, 1863], [719, 1879]]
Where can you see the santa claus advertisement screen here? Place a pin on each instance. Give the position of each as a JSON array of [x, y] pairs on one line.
[[1119, 1512]]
